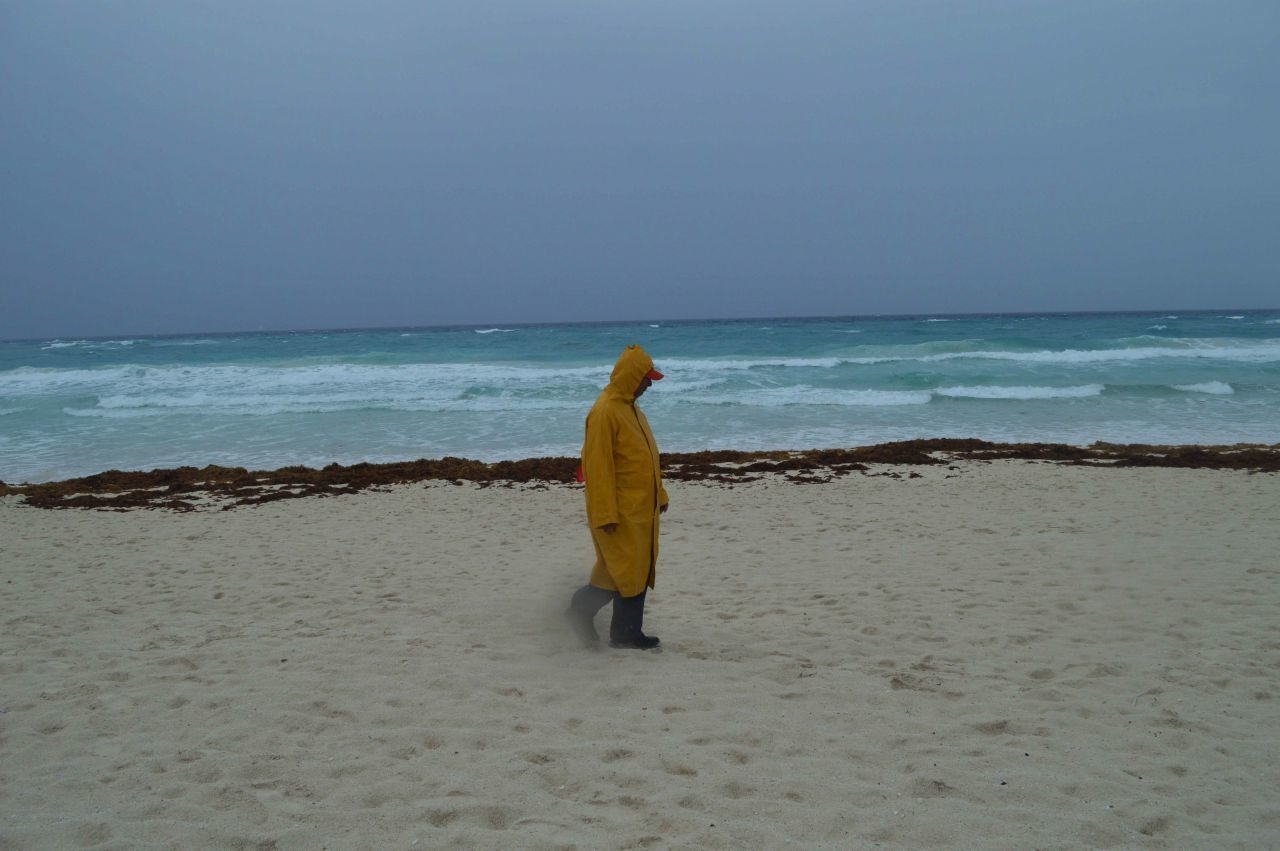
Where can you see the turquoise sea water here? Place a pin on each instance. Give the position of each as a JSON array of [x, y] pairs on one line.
[[263, 400]]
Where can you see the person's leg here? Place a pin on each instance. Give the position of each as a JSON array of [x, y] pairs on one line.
[[586, 601], [626, 629], [620, 627]]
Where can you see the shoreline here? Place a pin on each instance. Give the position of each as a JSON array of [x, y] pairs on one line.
[[193, 488]]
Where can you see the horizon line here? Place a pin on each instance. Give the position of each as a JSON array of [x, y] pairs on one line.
[[646, 321]]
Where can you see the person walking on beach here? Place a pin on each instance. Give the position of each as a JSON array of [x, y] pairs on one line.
[[624, 500]]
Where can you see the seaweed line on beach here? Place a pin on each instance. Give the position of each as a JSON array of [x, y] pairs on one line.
[[192, 488]]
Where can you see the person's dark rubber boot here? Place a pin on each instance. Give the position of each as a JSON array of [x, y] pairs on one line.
[[581, 615], [625, 631], [636, 642]]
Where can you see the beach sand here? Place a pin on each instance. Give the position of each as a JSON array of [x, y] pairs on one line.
[[1003, 654]]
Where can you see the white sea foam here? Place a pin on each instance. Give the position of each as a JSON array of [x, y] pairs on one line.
[[1203, 350], [1024, 393], [778, 397], [674, 384], [251, 406], [495, 404], [323, 377], [735, 364], [1158, 328], [85, 344], [495, 330], [806, 395], [1260, 352], [1216, 388], [400, 382], [115, 414], [1233, 317]]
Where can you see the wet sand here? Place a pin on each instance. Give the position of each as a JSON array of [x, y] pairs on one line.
[[994, 652]]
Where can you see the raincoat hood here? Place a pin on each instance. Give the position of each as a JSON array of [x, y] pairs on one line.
[[632, 366]]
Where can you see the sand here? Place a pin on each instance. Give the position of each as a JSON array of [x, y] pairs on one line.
[[1002, 655]]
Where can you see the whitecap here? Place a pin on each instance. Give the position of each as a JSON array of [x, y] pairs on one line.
[[1021, 393], [1197, 349], [113, 414], [265, 390], [124, 407], [781, 397], [494, 330], [1233, 317], [85, 344], [1157, 327], [1214, 388], [754, 363], [1201, 349]]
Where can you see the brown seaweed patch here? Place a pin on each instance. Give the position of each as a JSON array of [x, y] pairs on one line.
[[192, 488]]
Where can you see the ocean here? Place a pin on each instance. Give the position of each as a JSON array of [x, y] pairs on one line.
[[73, 407]]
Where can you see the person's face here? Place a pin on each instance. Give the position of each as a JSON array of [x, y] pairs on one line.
[[645, 384]]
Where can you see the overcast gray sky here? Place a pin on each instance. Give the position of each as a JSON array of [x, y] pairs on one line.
[[197, 166]]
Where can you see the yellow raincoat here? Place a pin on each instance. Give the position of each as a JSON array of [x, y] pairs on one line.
[[623, 481]]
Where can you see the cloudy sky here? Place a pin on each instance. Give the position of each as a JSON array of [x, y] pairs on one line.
[[200, 166]]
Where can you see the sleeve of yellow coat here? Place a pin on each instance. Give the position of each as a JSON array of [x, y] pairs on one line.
[[597, 466]]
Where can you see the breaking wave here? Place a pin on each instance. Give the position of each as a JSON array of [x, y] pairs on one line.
[[1215, 388], [1022, 393]]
